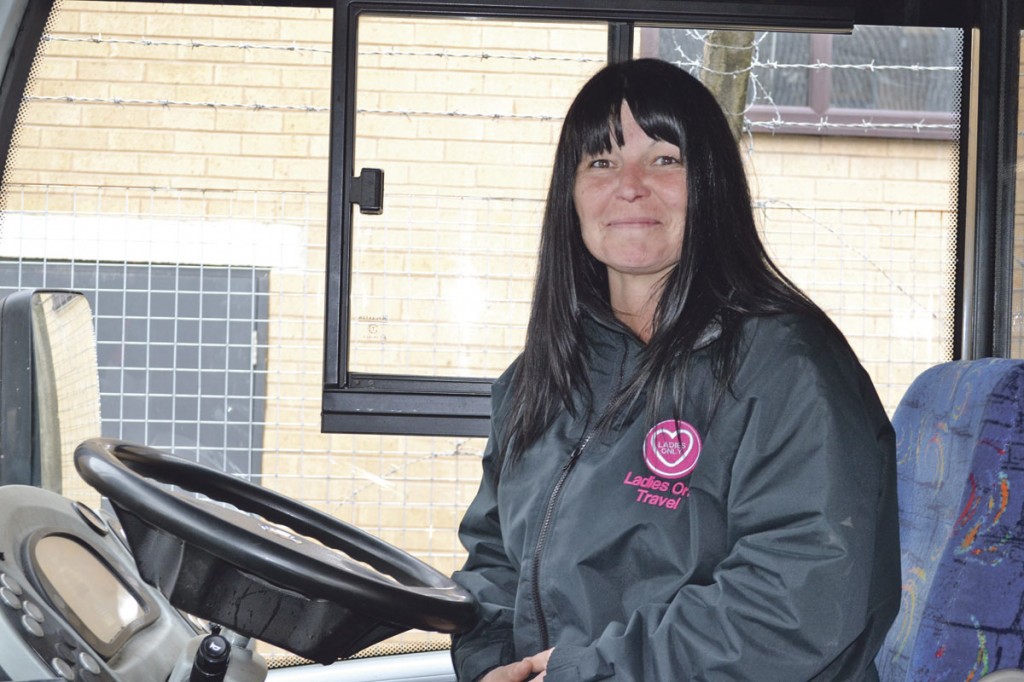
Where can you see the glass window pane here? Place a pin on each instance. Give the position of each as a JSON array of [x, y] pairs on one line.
[[778, 76], [462, 116], [896, 68]]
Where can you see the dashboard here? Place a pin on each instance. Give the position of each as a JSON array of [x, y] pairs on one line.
[[71, 604], [73, 607]]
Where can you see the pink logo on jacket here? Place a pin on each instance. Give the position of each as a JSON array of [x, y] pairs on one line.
[[672, 448]]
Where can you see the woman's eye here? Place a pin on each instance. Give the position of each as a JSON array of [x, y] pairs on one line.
[[667, 161], [599, 163]]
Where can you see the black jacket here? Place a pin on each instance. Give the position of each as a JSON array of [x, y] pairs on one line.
[[758, 544]]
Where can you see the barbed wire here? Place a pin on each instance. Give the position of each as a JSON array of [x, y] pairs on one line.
[[755, 64], [773, 124], [120, 101], [684, 61], [825, 124], [810, 215], [151, 42], [124, 101], [580, 59], [254, 106], [441, 54], [762, 95]]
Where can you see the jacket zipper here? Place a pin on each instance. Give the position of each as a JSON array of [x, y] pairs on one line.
[[549, 513], [542, 624]]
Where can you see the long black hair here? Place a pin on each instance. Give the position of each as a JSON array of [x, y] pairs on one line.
[[723, 275]]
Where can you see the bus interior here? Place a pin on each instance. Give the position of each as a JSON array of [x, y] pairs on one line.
[[261, 260]]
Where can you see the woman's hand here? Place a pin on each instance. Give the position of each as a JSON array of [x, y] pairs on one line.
[[520, 671]]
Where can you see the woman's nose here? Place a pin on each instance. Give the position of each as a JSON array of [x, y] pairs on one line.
[[633, 182]]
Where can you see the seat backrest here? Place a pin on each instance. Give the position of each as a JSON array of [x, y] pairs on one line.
[[960, 449]]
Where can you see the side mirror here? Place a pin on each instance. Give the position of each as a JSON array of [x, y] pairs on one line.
[[49, 386]]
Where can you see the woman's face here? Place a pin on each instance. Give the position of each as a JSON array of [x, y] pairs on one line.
[[631, 202]]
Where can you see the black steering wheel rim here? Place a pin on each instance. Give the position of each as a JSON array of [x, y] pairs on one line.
[[419, 596]]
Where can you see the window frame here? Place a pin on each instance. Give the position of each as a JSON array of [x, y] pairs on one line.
[[372, 403]]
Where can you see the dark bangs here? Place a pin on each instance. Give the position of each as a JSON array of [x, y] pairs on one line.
[[595, 117]]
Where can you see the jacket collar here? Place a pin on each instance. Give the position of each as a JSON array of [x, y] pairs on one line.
[[600, 329]]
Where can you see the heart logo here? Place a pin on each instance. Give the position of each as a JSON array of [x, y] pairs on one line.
[[667, 443], [672, 448]]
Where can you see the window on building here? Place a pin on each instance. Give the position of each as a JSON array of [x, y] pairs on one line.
[[878, 81]]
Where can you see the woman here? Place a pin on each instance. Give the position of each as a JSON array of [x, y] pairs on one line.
[[689, 475]]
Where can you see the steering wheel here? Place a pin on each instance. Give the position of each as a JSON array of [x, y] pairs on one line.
[[269, 568]]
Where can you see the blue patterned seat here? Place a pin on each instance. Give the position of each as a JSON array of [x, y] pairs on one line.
[[960, 444]]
